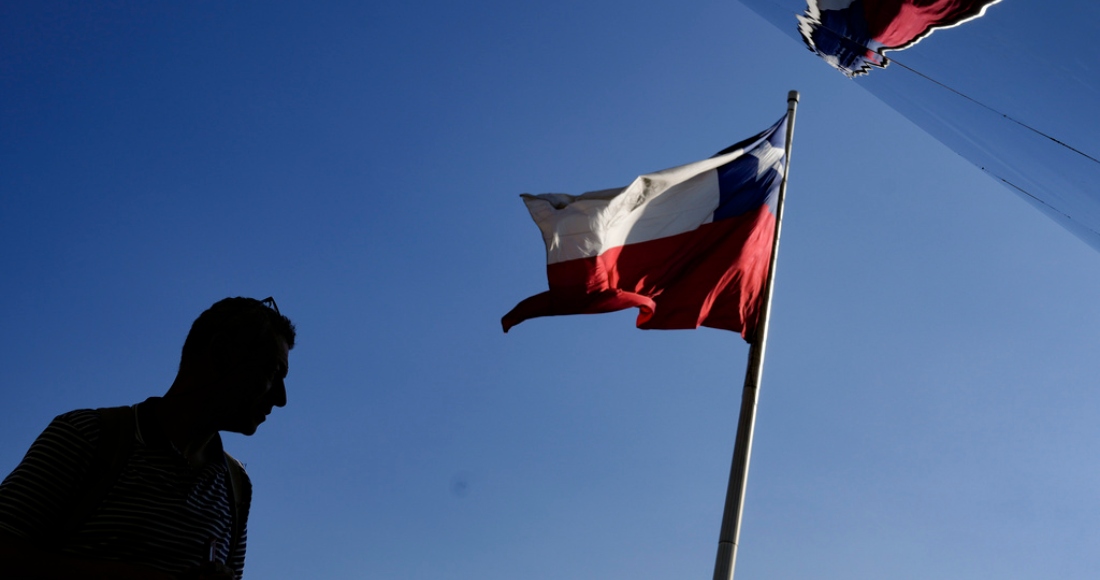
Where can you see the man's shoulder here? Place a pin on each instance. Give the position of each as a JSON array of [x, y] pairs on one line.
[[87, 423], [72, 427], [79, 417]]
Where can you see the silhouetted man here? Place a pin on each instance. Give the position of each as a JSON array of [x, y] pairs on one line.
[[147, 491]]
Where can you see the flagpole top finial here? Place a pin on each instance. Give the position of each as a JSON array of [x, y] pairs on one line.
[[792, 96]]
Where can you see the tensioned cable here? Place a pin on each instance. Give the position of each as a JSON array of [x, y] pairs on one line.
[[989, 108], [1029, 194], [1020, 123]]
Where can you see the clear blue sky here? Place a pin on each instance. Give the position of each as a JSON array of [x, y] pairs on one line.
[[929, 407]]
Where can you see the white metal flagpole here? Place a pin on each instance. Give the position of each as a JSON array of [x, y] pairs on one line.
[[742, 448]]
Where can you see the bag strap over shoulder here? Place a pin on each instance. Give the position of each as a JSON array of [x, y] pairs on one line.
[[241, 491]]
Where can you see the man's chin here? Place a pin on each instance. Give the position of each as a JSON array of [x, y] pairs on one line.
[[245, 429]]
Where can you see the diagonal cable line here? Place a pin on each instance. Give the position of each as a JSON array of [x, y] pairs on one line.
[[1004, 115], [1032, 196]]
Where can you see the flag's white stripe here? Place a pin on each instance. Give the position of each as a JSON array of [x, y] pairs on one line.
[[656, 205]]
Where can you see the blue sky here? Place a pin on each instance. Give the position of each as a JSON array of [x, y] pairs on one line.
[[928, 406]]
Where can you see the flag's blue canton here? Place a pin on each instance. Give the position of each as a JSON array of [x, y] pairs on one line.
[[845, 35], [742, 186]]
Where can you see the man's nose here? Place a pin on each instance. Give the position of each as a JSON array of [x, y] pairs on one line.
[[279, 393]]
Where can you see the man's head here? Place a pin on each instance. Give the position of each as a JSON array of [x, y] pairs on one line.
[[239, 349]]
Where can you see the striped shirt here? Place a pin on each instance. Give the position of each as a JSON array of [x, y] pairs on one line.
[[160, 512]]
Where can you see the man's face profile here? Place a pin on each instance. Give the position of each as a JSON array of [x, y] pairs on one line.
[[253, 393]]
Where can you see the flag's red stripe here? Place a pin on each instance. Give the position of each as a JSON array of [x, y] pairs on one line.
[[712, 276], [897, 23]]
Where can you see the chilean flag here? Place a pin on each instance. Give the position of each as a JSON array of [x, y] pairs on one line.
[[853, 35], [688, 246]]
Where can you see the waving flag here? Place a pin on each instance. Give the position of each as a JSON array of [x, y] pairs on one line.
[[688, 246], [853, 35]]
